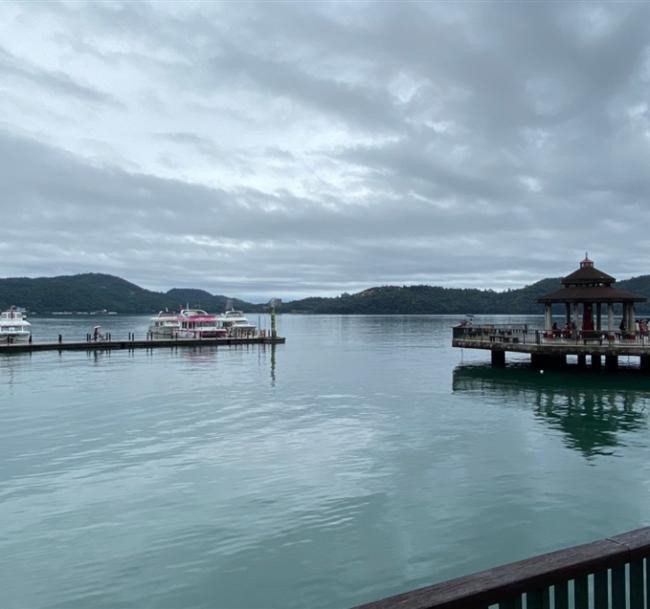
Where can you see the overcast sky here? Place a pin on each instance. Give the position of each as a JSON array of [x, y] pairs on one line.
[[290, 149]]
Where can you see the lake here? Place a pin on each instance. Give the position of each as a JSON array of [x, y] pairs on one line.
[[362, 458]]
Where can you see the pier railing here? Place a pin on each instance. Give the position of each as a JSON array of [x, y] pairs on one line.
[[612, 573], [523, 334]]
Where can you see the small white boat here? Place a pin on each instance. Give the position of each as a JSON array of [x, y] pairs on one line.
[[196, 323], [164, 325], [14, 328], [236, 324]]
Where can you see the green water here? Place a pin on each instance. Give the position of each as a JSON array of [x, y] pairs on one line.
[[363, 458]]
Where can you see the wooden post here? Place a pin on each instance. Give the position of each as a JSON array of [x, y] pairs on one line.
[[274, 332]]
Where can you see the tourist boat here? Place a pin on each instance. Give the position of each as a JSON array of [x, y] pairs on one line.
[[14, 328], [235, 323], [196, 323], [164, 325]]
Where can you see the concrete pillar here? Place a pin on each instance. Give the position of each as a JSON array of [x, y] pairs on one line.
[[610, 317], [582, 361], [556, 361], [632, 319], [611, 362], [537, 360], [598, 316], [498, 358], [548, 317], [645, 363], [596, 361]]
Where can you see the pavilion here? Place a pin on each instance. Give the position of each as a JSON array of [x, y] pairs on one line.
[[584, 293]]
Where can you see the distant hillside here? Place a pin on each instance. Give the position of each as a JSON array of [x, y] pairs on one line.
[[436, 300], [96, 292]]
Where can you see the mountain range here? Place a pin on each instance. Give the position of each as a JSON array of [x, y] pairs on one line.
[[97, 292]]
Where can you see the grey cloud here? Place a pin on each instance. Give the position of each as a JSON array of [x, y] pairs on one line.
[[278, 149], [56, 82]]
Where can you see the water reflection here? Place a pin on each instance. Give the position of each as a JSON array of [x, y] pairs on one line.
[[594, 412]]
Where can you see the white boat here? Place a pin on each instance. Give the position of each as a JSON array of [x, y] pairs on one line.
[[14, 328], [164, 325], [236, 324], [196, 323]]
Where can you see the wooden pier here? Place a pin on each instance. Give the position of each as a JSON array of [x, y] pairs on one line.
[[584, 295], [132, 343], [548, 350]]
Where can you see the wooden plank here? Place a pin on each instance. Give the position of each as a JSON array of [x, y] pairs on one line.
[[581, 592], [601, 590], [561, 592], [513, 603], [618, 586], [534, 599], [636, 584]]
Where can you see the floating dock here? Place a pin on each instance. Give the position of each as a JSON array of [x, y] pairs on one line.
[[131, 344]]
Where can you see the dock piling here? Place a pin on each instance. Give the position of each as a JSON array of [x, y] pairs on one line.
[[498, 358], [611, 362]]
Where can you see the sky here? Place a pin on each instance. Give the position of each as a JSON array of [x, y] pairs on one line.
[[290, 149]]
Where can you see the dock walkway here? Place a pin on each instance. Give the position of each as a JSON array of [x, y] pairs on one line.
[[132, 344], [552, 348]]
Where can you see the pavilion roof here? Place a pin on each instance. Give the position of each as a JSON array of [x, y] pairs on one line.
[[601, 293], [588, 274]]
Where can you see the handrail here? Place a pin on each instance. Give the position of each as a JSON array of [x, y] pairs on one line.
[[546, 577]]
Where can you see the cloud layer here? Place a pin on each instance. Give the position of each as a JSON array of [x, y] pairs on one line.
[[286, 149]]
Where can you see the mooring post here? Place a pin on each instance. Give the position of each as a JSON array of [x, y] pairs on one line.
[[273, 329], [498, 358], [60, 339]]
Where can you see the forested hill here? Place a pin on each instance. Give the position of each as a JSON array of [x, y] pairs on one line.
[[96, 292], [430, 299]]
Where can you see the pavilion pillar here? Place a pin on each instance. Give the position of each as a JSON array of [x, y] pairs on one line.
[[598, 316], [548, 317], [568, 313], [610, 317], [576, 318], [631, 319]]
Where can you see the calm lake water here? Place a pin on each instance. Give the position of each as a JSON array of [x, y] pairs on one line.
[[363, 458]]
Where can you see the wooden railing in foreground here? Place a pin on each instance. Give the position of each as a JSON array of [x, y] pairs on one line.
[[612, 573]]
